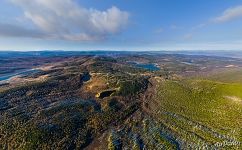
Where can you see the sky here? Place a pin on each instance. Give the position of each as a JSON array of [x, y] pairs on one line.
[[30, 25]]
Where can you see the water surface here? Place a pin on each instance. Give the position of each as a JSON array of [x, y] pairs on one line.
[[19, 73], [151, 67]]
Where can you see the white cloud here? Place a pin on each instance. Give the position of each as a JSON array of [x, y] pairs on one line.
[[230, 14], [188, 36], [174, 27], [159, 30], [202, 25], [67, 20]]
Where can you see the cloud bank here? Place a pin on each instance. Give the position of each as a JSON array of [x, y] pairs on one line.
[[65, 19], [9, 30]]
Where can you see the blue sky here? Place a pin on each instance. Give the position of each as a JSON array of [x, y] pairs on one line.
[[121, 25]]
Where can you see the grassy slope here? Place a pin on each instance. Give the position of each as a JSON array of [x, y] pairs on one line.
[[196, 110]]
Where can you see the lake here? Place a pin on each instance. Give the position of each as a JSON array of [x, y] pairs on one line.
[[19, 73], [147, 66], [151, 67]]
